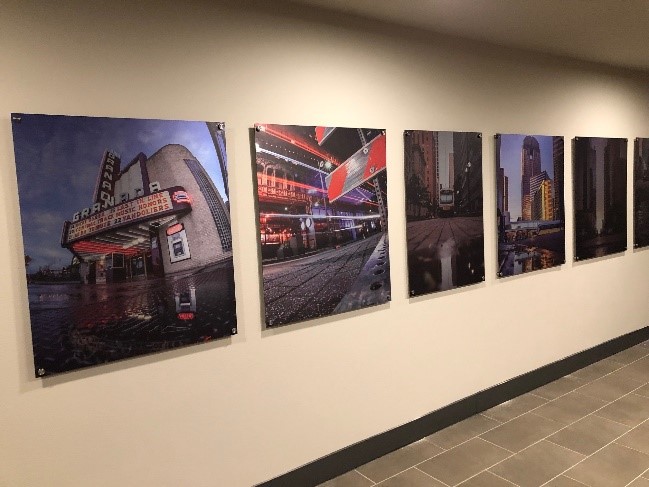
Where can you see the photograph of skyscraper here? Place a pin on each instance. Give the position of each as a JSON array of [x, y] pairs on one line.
[[445, 232], [529, 202], [641, 193], [600, 196]]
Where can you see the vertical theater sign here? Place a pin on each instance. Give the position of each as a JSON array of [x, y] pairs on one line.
[[322, 199], [145, 262]]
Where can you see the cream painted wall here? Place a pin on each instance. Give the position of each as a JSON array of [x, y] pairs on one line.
[[241, 411]]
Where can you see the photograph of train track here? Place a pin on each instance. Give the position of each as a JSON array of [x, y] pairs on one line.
[[445, 231]]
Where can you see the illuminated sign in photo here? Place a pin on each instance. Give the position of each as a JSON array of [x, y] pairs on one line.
[[322, 200], [130, 229]]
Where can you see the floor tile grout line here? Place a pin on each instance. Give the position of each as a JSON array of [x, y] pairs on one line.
[[522, 414], [555, 432], [638, 477], [565, 447], [506, 480], [631, 448], [566, 426], [408, 468], [481, 413], [499, 446], [365, 476], [613, 421], [429, 475], [564, 475], [595, 452]]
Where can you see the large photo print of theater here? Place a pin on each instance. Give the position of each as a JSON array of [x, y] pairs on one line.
[[126, 227]]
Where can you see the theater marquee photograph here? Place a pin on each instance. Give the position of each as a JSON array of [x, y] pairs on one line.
[[599, 178], [126, 229], [445, 231], [529, 203], [322, 201]]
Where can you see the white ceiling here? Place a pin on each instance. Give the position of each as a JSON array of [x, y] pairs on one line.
[[614, 32]]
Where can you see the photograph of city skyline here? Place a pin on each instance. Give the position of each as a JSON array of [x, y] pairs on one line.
[[599, 177], [322, 203], [529, 203], [641, 193], [126, 229], [445, 231]]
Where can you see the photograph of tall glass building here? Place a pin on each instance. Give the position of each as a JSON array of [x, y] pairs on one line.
[[599, 177], [445, 231], [529, 203], [641, 193], [126, 228], [323, 208]]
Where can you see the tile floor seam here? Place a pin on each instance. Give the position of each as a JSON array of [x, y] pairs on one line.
[[365, 476], [613, 421], [588, 456], [433, 443], [564, 475], [484, 416], [566, 426], [473, 437], [483, 413], [499, 446], [631, 448], [411, 466], [638, 477], [434, 478], [564, 447], [506, 480]]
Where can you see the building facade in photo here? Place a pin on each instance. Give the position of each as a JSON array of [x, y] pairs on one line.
[[157, 215]]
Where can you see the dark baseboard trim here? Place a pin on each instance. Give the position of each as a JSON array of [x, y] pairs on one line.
[[355, 455]]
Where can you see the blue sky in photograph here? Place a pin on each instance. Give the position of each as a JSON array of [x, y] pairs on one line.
[[511, 146], [57, 163]]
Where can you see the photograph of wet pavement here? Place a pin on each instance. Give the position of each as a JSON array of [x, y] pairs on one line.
[[76, 325], [445, 253]]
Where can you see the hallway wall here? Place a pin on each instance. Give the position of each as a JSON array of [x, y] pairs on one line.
[[241, 411]]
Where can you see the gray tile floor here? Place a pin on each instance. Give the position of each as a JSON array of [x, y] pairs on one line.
[[590, 428]]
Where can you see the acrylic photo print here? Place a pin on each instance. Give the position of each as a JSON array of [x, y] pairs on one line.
[[529, 203], [126, 228], [322, 201], [641, 193], [445, 231], [599, 178]]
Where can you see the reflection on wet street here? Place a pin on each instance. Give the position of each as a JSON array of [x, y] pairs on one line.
[[518, 259], [601, 245], [444, 253], [642, 217], [75, 325], [531, 254]]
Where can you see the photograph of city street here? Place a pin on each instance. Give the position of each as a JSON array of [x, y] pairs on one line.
[[445, 232], [641, 193], [322, 203], [599, 175], [529, 203], [126, 229]]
